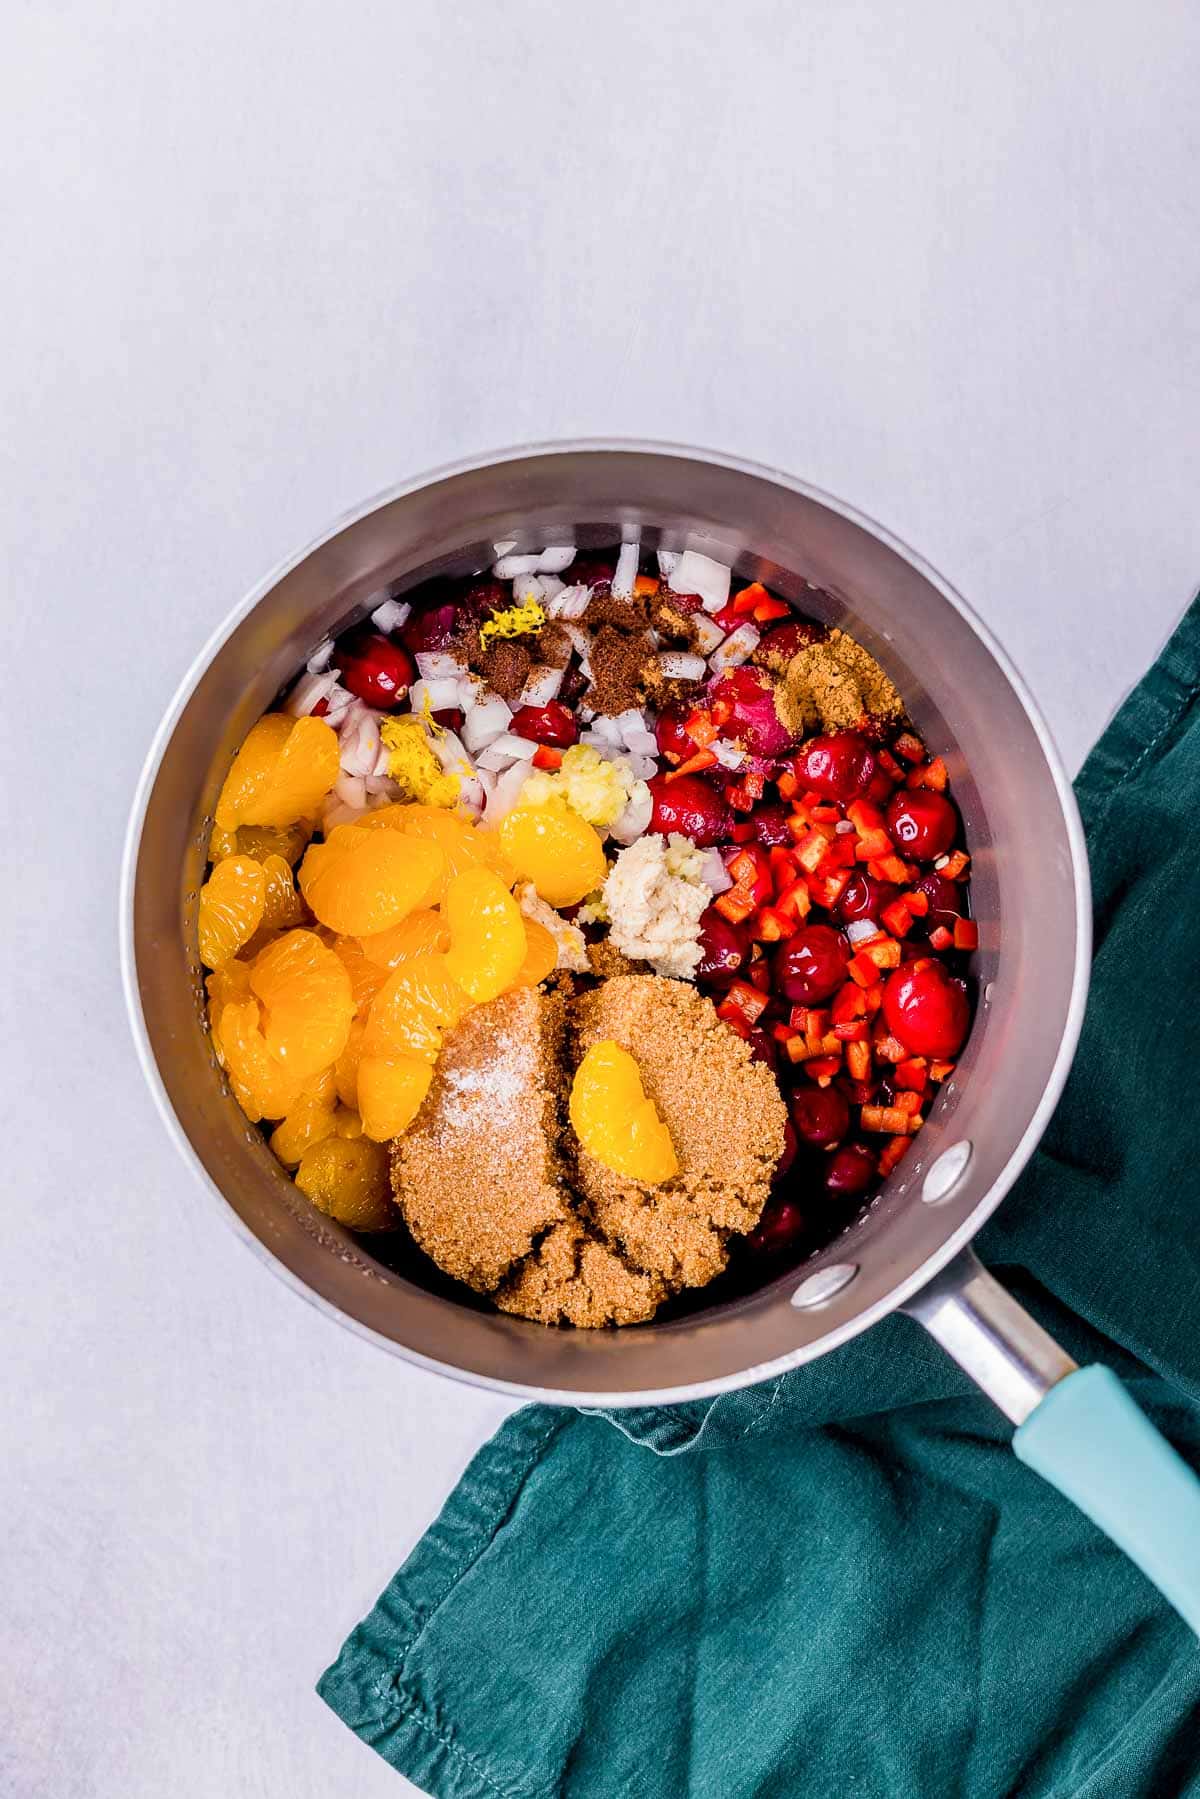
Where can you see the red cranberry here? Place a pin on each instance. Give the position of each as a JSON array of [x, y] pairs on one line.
[[429, 628], [865, 897], [452, 717], [589, 571], [762, 1047], [777, 1230], [850, 1171], [483, 597], [838, 768], [690, 806], [574, 685], [724, 948], [947, 901], [879, 787], [811, 966], [785, 641], [926, 1011], [375, 669], [771, 825], [753, 719], [791, 1146], [670, 735], [551, 724], [921, 823], [820, 1115], [684, 603]]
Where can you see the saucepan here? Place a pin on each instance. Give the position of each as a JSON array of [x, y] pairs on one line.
[[911, 1251]]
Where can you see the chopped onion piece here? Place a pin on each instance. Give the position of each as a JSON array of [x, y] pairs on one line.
[[694, 573], [680, 665], [436, 665], [581, 638], [308, 692], [381, 789], [668, 561], [391, 615], [551, 588], [352, 791], [509, 567], [505, 792], [737, 648], [542, 685], [321, 657], [608, 728], [570, 602], [843, 827], [629, 720], [485, 721], [359, 746], [707, 632], [470, 690], [527, 590], [637, 814], [642, 743], [506, 749], [555, 557], [505, 545], [643, 768], [626, 570], [441, 694], [728, 754], [859, 929], [714, 873]]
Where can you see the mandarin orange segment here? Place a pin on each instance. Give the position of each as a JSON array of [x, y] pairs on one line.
[[366, 977], [345, 1069], [555, 849], [487, 934], [230, 981], [262, 1086], [288, 841], [309, 1121], [347, 1123], [541, 955], [283, 908], [422, 930], [348, 1180], [360, 881], [461, 841], [306, 999], [390, 1091], [250, 775], [231, 908], [281, 774], [419, 1000], [614, 1120]]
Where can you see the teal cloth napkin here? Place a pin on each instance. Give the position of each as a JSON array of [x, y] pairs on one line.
[[849, 1585]]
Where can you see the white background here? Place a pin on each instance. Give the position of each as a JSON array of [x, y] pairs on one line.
[[262, 261]]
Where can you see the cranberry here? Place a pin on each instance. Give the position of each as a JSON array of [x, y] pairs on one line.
[[724, 948], [452, 717], [811, 966], [589, 571], [762, 1047], [551, 724], [690, 806], [850, 1171], [375, 669], [683, 603], [838, 768], [670, 735], [921, 823], [879, 787], [926, 1011], [483, 597], [753, 718], [771, 825], [791, 1146], [865, 897], [785, 641], [779, 1227], [947, 901], [429, 628], [574, 684], [820, 1115]]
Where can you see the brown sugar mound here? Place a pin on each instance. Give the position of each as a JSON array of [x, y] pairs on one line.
[[476, 1176], [572, 1278], [724, 1114]]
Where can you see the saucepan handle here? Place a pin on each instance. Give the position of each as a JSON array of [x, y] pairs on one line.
[[1077, 1427]]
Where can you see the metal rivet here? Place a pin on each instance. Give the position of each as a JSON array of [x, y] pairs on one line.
[[821, 1287], [946, 1173]]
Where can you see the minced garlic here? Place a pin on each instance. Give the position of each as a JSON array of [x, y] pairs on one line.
[[655, 896], [597, 789]]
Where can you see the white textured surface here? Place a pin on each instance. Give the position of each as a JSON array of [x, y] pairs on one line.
[[264, 260]]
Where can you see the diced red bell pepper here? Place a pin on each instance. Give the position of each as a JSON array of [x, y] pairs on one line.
[[796, 1048], [908, 1102], [825, 815], [742, 832], [917, 902], [966, 934], [787, 784], [940, 1071], [646, 584], [874, 998], [866, 817], [810, 849], [934, 774], [812, 1020], [889, 764], [827, 890], [940, 938], [759, 975], [848, 1004], [863, 970], [856, 1031], [890, 1120], [872, 846], [858, 1061], [747, 598], [891, 868], [769, 609], [885, 954], [897, 918], [783, 868], [700, 728], [913, 1073], [736, 904], [749, 1001], [839, 854], [546, 756], [893, 1151], [744, 796], [693, 766], [890, 1049], [750, 866], [822, 1069], [794, 900], [956, 866], [909, 747], [772, 926]]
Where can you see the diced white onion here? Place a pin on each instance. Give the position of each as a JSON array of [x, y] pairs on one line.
[[527, 590], [321, 657], [843, 827], [351, 790], [714, 873], [736, 649], [381, 790], [629, 720], [505, 792], [542, 686], [637, 814], [441, 693], [681, 665], [570, 602], [608, 728], [470, 690], [707, 632], [436, 665], [642, 743], [643, 768], [309, 691], [391, 615], [859, 929], [506, 749], [581, 638], [485, 721], [555, 557], [359, 747], [728, 754], [505, 545], [694, 573], [668, 561], [509, 567], [551, 588], [626, 570]]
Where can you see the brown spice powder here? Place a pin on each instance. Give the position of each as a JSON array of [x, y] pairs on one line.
[[834, 685], [618, 663]]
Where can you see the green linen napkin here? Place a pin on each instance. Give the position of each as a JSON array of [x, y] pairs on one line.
[[850, 1586]]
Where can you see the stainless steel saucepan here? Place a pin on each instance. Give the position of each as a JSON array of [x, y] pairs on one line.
[[1030, 895]]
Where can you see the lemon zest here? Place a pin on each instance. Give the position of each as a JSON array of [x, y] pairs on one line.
[[514, 621]]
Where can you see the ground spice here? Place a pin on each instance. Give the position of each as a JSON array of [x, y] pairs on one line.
[[618, 663], [834, 685], [505, 667]]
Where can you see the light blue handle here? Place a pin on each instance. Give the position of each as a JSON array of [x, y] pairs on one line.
[[1090, 1439]]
